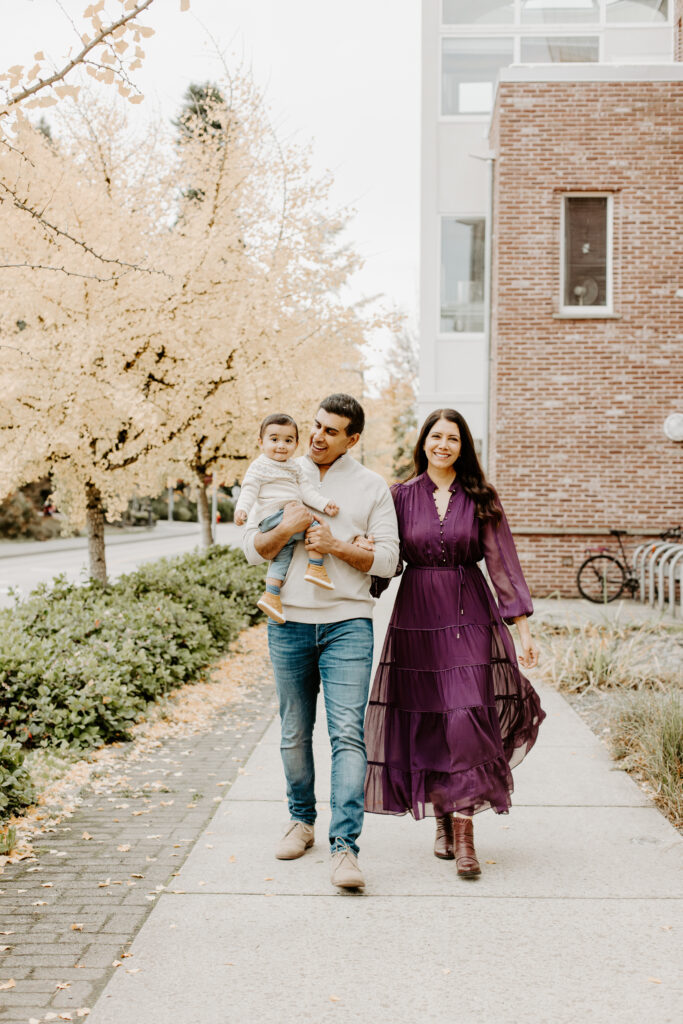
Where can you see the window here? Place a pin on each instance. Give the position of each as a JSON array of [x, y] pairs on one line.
[[462, 275], [560, 12], [469, 72], [586, 264], [560, 49], [625, 11], [476, 12]]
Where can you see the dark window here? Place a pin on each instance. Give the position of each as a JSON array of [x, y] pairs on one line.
[[586, 251]]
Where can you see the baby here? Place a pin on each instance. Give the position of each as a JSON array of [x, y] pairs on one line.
[[270, 482]]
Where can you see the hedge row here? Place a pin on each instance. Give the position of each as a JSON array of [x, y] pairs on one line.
[[78, 664]]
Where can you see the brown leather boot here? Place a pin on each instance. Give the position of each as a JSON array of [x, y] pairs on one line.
[[465, 854], [443, 844]]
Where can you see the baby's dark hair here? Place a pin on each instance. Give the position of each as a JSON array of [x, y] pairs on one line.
[[281, 419]]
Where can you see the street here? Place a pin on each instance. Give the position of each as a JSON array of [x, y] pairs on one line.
[[23, 565]]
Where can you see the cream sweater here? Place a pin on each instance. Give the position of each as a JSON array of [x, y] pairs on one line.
[[365, 506], [268, 485]]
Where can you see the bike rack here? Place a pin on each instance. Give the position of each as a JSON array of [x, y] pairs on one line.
[[657, 551], [673, 576], [641, 550], [661, 565]]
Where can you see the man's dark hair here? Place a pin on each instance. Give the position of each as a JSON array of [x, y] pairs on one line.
[[340, 404], [281, 419]]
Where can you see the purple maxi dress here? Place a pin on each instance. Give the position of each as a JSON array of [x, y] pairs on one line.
[[450, 714]]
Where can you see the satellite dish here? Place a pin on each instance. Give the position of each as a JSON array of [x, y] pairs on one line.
[[673, 426], [587, 291]]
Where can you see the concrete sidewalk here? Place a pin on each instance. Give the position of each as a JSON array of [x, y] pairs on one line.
[[577, 916]]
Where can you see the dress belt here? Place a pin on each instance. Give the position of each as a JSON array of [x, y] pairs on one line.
[[459, 571]]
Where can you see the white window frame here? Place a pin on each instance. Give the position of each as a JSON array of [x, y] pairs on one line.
[[516, 23], [459, 335], [588, 312], [515, 30]]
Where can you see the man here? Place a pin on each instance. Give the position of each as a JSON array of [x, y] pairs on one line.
[[327, 637]]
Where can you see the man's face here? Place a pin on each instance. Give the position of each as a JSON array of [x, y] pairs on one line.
[[329, 439]]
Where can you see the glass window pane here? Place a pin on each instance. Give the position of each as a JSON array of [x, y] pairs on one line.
[[585, 251], [462, 274], [625, 11], [478, 12], [560, 49], [556, 12], [469, 72]]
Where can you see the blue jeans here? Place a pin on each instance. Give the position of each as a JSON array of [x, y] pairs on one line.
[[277, 569], [338, 655]]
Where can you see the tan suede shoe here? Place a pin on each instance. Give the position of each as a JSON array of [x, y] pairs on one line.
[[272, 606], [318, 574], [345, 871], [296, 840]]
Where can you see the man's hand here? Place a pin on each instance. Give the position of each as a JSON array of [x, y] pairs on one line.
[[296, 517], [240, 517], [319, 538]]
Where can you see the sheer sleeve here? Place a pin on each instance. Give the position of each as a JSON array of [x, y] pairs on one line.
[[504, 569]]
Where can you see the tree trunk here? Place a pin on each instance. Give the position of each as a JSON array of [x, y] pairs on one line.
[[95, 523], [203, 510]]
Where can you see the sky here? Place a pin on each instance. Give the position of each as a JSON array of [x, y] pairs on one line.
[[342, 75]]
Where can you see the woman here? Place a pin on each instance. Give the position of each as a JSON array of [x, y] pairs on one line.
[[449, 713]]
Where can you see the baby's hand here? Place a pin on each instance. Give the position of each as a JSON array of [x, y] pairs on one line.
[[240, 517], [331, 509]]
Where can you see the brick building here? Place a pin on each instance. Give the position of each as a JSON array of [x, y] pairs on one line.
[[587, 308], [552, 260]]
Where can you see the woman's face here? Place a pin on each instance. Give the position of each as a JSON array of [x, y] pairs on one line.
[[442, 444]]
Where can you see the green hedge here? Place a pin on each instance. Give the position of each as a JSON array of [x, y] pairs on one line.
[[78, 664]]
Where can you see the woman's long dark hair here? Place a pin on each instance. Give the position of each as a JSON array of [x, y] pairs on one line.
[[467, 466]]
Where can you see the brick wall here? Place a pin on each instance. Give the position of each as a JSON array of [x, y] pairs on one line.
[[577, 406]]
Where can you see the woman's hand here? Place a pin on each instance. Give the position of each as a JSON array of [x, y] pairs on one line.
[[531, 652], [364, 541], [240, 518]]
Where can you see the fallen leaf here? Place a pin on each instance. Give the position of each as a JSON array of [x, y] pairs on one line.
[[137, 876], [335, 999], [231, 860], [83, 1011], [86, 835], [102, 885], [3, 949], [126, 956], [133, 970], [7, 933], [5, 985], [154, 837], [39, 903], [63, 984], [116, 963], [46, 885], [76, 927], [490, 862], [123, 848], [446, 970], [655, 981], [665, 928], [268, 878], [65, 1016]]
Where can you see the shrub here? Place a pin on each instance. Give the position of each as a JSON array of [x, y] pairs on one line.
[[647, 735], [78, 664], [16, 790]]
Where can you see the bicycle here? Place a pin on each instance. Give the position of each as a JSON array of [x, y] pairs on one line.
[[603, 578]]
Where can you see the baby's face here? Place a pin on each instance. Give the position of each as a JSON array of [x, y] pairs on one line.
[[278, 442]]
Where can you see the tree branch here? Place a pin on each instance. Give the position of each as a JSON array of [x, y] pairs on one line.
[[58, 76]]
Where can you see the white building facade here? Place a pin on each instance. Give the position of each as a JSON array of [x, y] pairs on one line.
[[465, 45]]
